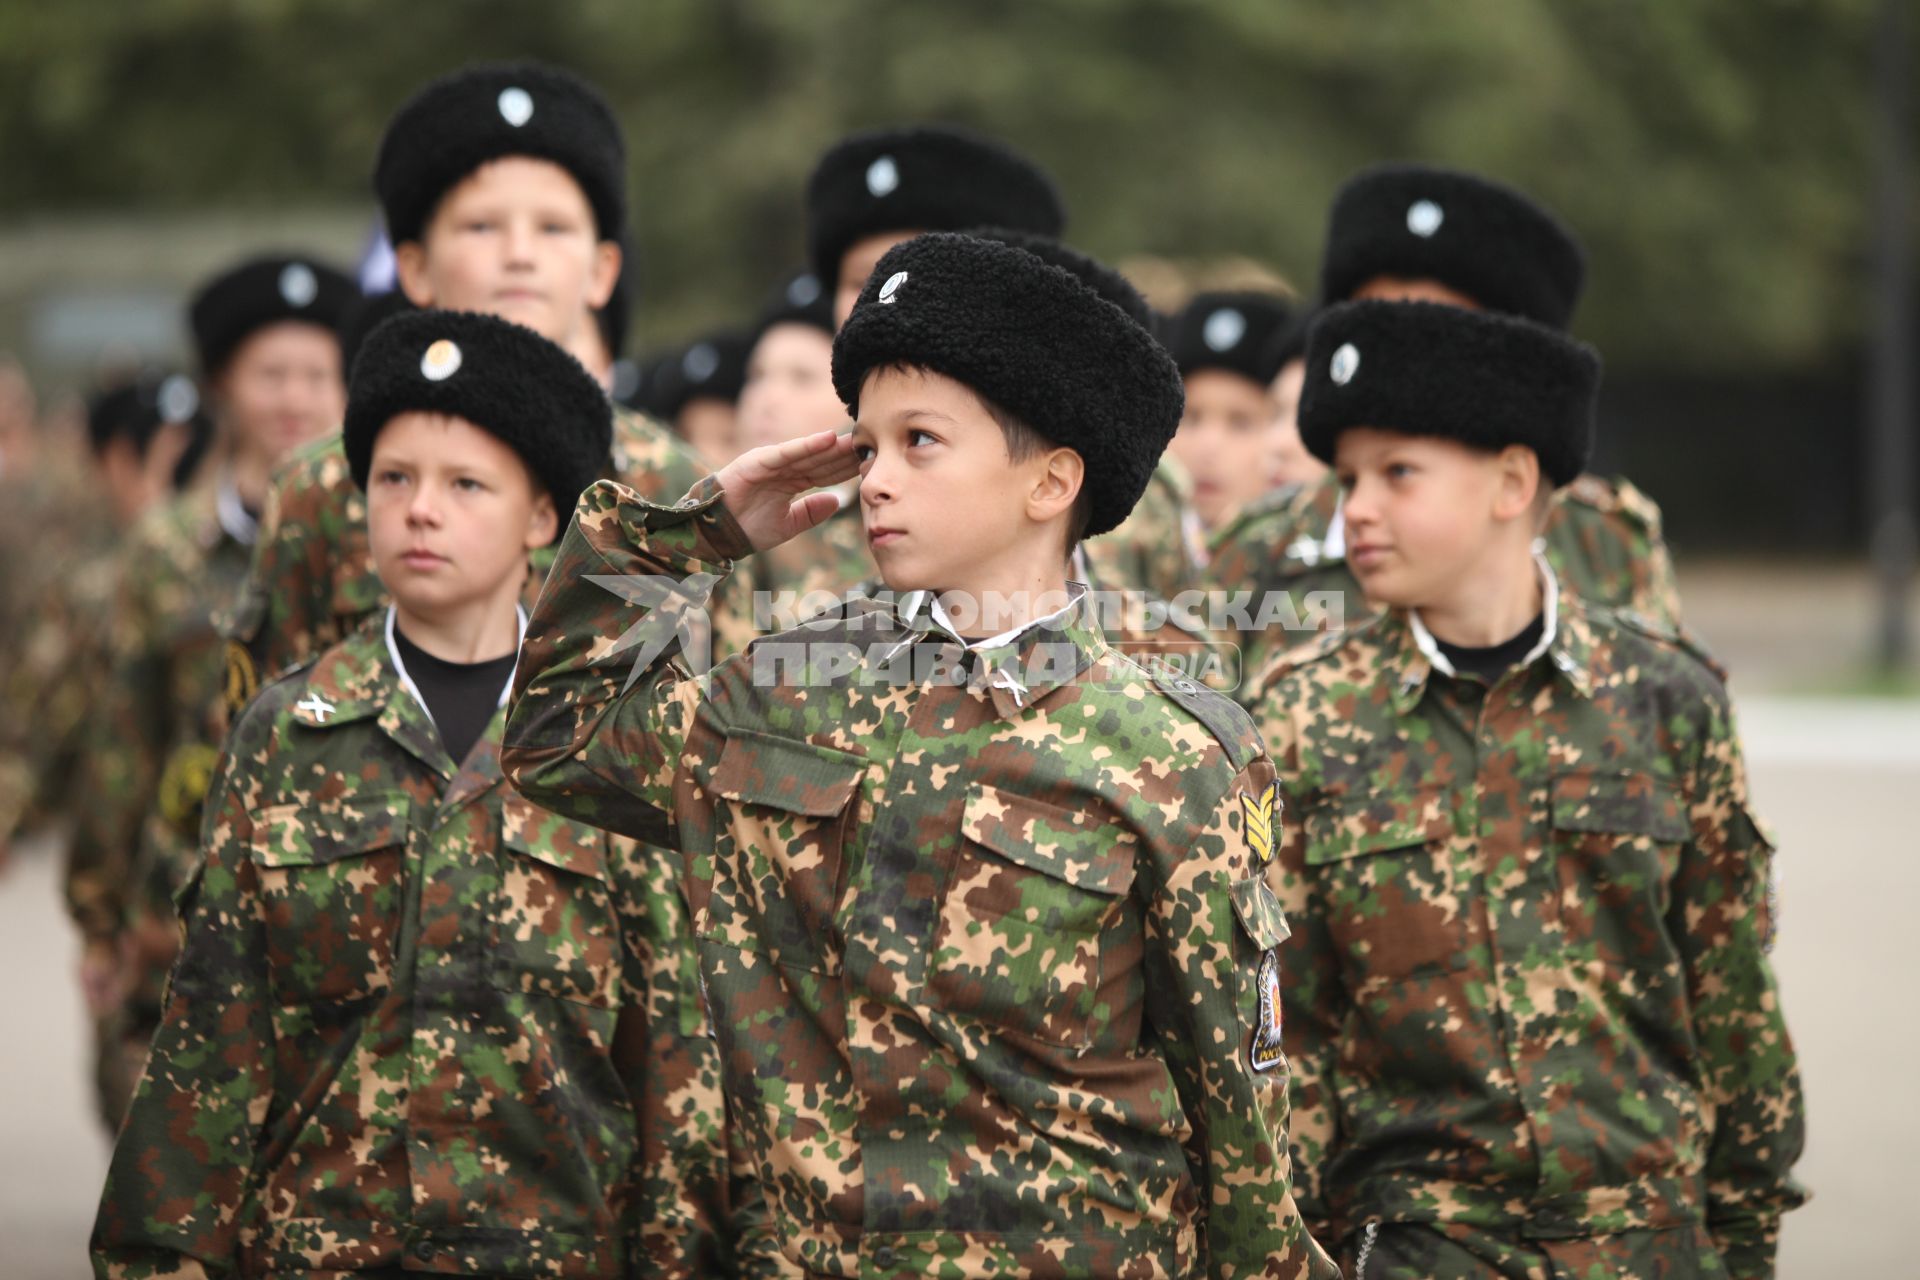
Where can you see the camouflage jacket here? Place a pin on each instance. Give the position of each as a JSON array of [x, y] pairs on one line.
[[1152, 550], [1602, 537], [312, 579], [184, 562], [983, 931], [417, 1017], [53, 678], [1529, 989]]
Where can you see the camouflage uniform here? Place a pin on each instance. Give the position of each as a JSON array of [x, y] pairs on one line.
[[416, 1018], [312, 580], [1531, 1012], [1602, 536], [1151, 551], [52, 678], [986, 1007]]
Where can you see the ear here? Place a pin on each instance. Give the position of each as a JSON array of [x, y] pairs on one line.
[[605, 272], [410, 265], [1517, 482], [542, 521], [1062, 472]]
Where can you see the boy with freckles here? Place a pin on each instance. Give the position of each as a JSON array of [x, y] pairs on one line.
[[981, 915]]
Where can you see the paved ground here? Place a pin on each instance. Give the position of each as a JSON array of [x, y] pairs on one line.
[[1836, 778]]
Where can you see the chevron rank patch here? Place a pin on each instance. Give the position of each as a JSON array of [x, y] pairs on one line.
[[1259, 830]]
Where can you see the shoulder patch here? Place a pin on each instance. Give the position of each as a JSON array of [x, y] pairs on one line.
[[1224, 718], [1652, 628]]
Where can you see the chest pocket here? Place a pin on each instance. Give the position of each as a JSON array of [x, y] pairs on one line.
[[332, 883], [779, 858], [555, 933], [1397, 896], [1617, 838], [1032, 934]]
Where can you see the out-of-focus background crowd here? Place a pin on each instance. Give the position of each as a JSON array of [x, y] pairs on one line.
[[1743, 175]]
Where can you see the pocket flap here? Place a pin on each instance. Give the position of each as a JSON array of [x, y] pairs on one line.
[[547, 837], [1620, 803], [785, 773], [307, 835], [1082, 849], [1354, 826], [1260, 915]]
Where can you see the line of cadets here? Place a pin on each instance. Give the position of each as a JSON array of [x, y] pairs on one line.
[[510, 949]]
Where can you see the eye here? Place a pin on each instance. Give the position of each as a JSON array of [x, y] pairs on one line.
[[1346, 481], [916, 437], [478, 224], [863, 453], [467, 484], [1399, 471], [390, 477]]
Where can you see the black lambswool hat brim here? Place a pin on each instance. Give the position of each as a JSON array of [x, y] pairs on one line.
[[1475, 236], [930, 178], [461, 121], [136, 410], [502, 377], [1234, 331], [1093, 273], [1421, 369], [263, 291], [1030, 338]]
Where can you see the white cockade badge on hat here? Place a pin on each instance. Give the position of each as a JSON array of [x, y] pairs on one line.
[[441, 361], [516, 106]]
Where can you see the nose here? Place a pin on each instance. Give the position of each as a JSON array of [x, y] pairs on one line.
[[518, 242], [1361, 503], [424, 511], [876, 484]]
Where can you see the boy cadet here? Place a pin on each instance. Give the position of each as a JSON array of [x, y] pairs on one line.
[[408, 1029], [981, 921], [1533, 1027], [144, 435], [869, 192], [696, 393], [1225, 345], [1410, 232], [503, 188], [266, 332]]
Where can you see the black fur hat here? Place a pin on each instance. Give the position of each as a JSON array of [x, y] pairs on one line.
[[1029, 337], [135, 410], [928, 178], [263, 291], [1476, 236], [1093, 273], [500, 376], [1290, 341], [800, 299], [713, 367], [480, 113], [1231, 330], [363, 317], [1423, 369]]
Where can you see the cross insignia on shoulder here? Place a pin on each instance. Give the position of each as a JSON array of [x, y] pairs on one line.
[[316, 706]]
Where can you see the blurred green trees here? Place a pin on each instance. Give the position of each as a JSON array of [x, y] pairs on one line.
[[1714, 153]]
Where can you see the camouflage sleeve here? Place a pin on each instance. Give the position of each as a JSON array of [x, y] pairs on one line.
[[186, 1157], [599, 712], [288, 599], [1213, 929], [686, 1208], [1746, 1061], [1315, 998], [122, 742]]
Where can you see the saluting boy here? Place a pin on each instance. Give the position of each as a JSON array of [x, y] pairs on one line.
[[1533, 1027], [980, 912]]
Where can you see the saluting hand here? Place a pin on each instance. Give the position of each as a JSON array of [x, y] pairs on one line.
[[768, 489]]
